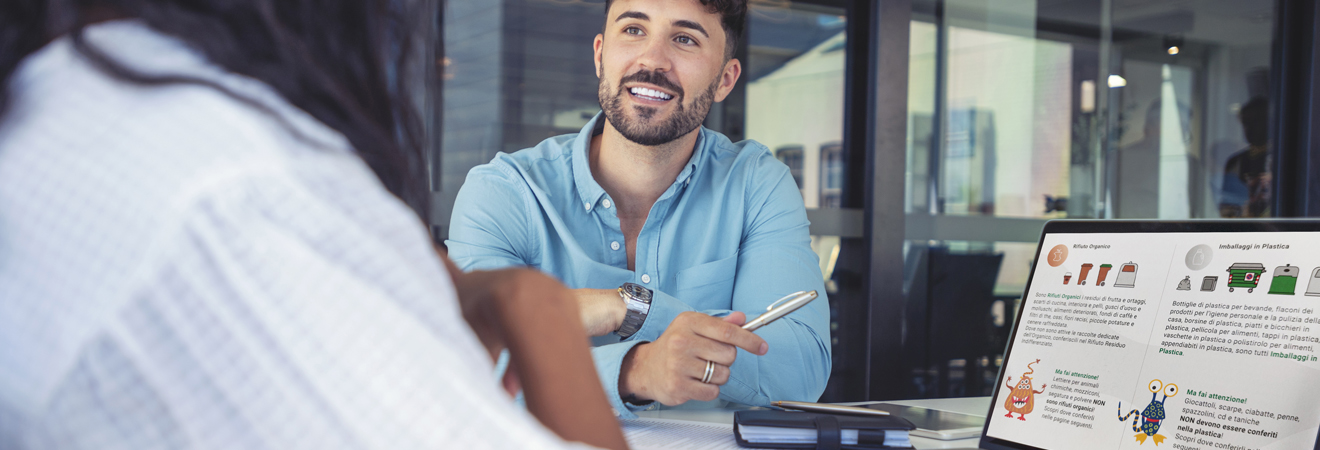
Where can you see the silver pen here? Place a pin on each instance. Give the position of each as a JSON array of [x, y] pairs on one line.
[[781, 308], [828, 408]]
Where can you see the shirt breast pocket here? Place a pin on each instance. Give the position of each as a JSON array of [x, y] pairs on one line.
[[708, 285]]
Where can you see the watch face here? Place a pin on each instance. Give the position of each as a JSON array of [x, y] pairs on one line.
[[637, 291]]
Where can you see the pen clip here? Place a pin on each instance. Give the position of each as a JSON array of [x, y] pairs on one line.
[[789, 297]]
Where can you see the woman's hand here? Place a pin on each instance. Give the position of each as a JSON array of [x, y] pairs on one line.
[[539, 321], [602, 310]]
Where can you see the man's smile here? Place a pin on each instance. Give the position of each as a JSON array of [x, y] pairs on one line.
[[649, 95]]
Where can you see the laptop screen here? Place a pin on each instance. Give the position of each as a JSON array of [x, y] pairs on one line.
[[1185, 336]]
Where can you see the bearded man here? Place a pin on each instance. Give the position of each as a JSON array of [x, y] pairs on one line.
[[670, 234]]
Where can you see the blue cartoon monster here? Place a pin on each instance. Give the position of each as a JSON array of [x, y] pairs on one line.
[[1147, 422]]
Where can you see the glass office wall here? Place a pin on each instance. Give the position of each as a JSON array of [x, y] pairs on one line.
[[515, 72], [1025, 111], [794, 78], [795, 75]]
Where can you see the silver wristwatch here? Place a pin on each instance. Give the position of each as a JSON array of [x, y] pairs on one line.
[[638, 301]]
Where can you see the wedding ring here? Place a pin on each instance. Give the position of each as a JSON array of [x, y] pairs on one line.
[[710, 370]]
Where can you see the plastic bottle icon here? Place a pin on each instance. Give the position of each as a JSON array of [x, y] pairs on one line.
[[1198, 257]]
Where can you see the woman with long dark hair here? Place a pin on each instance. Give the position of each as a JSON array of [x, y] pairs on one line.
[[209, 238]]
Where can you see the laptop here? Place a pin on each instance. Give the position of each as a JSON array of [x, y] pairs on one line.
[[1173, 335]]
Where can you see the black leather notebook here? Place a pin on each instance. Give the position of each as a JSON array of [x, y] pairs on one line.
[[792, 429]]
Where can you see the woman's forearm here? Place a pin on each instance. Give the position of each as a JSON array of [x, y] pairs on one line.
[[549, 349], [539, 321]]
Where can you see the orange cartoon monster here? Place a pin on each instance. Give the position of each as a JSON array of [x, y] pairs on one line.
[[1022, 399]]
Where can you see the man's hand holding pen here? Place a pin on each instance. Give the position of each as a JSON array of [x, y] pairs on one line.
[[670, 370]]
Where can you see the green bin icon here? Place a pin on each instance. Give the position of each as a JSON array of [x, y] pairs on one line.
[[1284, 281], [1244, 275]]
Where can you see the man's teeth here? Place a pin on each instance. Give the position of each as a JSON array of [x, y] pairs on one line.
[[652, 93]]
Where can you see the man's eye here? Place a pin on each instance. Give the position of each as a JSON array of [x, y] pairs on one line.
[[685, 40], [633, 31]]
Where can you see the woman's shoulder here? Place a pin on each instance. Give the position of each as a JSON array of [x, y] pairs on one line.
[[79, 146], [210, 120]]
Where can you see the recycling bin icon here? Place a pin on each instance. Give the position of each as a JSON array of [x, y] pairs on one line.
[[1313, 286], [1284, 281], [1104, 272], [1085, 271], [1244, 275], [1127, 275]]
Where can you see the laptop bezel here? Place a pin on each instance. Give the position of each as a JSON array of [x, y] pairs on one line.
[[1125, 226]]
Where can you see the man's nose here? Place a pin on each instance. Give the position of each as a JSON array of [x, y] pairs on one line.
[[655, 56]]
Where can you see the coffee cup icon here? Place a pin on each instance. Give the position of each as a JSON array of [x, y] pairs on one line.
[[1067, 277]]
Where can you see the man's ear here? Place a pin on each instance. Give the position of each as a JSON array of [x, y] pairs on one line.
[[728, 78], [596, 46]]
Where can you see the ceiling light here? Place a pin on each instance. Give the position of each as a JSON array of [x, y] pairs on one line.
[[1173, 43]]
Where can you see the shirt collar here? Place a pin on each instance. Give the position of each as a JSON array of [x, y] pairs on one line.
[[590, 191]]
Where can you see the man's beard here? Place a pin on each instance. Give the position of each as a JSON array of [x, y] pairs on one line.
[[681, 122]]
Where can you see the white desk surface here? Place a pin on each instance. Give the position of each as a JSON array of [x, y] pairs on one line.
[[968, 405]]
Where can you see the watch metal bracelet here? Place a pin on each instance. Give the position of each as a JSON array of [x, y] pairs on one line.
[[638, 301]]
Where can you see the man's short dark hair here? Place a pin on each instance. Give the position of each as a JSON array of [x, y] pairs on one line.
[[733, 18]]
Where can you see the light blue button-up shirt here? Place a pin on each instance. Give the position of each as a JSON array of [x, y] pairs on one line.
[[730, 234]]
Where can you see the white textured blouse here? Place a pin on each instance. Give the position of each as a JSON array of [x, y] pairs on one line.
[[179, 270]]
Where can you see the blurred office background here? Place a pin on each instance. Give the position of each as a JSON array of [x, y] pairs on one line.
[[932, 139]]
